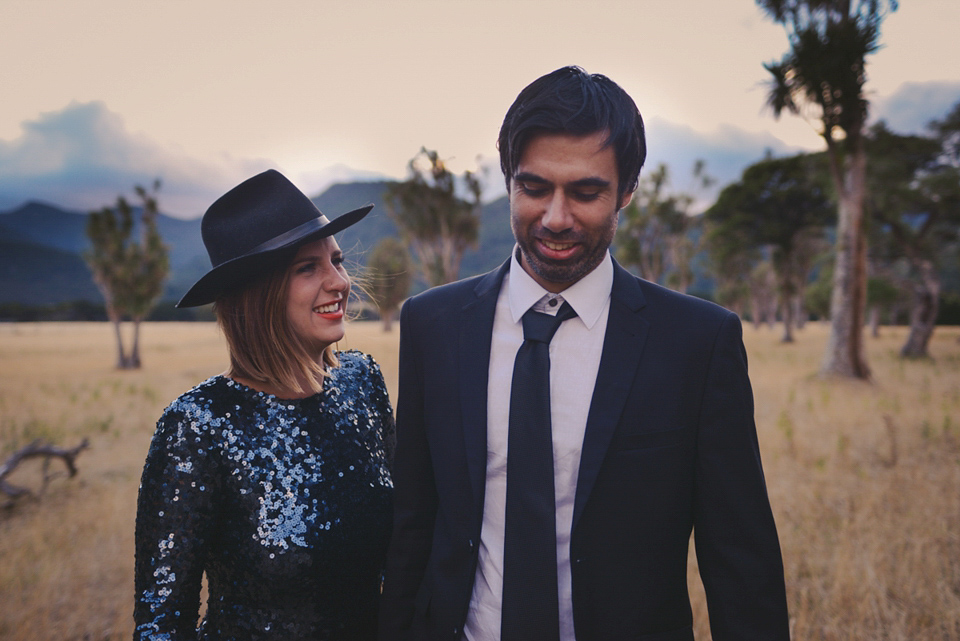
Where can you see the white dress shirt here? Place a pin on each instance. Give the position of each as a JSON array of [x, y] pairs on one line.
[[574, 362]]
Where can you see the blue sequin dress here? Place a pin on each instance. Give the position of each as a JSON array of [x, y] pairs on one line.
[[285, 504]]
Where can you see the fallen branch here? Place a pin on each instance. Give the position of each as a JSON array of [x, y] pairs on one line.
[[38, 449]]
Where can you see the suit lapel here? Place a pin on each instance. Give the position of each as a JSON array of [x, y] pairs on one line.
[[622, 345], [476, 330]]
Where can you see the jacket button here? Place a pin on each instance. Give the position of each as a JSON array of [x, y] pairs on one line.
[[471, 544]]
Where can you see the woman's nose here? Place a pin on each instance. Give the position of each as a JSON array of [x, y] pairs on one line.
[[336, 281]]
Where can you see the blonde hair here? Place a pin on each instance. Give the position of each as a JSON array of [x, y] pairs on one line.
[[262, 345]]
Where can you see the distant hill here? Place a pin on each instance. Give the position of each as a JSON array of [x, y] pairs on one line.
[[32, 274], [357, 241], [43, 225], [493, 246], [41, 245], [47, 226]]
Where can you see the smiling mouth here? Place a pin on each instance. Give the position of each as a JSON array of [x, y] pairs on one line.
[[555, 246], [328, 309]]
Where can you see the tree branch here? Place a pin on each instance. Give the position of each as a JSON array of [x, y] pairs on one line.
[[38, 449]]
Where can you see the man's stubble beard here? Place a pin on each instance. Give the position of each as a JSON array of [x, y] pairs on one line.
[[563, 272]]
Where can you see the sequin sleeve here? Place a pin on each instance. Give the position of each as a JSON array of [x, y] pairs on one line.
[[380, 400], [175, 517]]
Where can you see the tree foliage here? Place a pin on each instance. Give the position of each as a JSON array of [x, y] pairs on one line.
[[824, 72], [437, 223], [778, 210], [129, 271], [389, 277], [654, 232], [914, 200]]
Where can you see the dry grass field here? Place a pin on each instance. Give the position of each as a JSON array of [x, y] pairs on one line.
[[864, 478]]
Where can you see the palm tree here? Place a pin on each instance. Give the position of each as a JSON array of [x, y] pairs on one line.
[[825, 70]]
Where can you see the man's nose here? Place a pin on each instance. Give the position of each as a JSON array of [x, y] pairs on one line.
[[557, 216]]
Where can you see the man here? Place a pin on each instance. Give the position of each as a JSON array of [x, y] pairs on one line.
[[648, 421]]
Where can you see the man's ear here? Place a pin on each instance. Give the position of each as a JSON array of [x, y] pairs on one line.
[[625, 200]]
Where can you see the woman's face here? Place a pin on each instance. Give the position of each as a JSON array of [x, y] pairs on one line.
[[317, 290]]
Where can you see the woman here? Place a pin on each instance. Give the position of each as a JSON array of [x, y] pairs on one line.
[[270, 478]]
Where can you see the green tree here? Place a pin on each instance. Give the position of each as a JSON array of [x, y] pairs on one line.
[[129, 272], [654, 233], [825, 69], [437, 223], [914, 201], [779, 208], [389, 277], [731, 261]]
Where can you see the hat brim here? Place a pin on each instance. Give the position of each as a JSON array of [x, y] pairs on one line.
[[236, 272]]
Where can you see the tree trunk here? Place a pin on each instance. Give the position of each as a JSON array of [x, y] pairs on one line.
[[799, 313], [386, 316], [771, 311], [756, 311], [923, 312], [874, 316], [121, 354], [844, 355], [787, 321], [134, 361]]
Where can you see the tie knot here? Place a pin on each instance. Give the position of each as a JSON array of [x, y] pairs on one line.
[[541, 327]]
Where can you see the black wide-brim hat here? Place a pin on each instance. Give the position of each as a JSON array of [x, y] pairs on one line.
[[252, 227]]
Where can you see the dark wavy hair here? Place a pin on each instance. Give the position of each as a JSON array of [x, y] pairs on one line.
[[571, 101]]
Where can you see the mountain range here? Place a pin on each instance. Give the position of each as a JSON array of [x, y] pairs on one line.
[[42, 245]]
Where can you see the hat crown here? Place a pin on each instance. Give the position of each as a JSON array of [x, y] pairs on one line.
[[256, 211], [250, 228]]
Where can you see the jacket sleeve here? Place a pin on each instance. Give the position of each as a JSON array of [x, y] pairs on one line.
[[738, 551], [174, 511], [415, 494]]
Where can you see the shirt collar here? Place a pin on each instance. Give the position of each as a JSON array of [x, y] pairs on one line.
[[587, 296]]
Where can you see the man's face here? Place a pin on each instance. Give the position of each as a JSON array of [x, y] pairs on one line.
[[563, 207]]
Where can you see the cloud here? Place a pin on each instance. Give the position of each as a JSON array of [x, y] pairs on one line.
[[914, 104], [314, 183], [726, 152], [83, 157]]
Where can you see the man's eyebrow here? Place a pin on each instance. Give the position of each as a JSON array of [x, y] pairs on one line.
[[527, 177], [593, 181]]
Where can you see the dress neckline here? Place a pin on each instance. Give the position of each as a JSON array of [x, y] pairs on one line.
[[232, 382]]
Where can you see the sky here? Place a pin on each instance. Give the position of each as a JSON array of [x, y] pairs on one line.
[[99, 95]]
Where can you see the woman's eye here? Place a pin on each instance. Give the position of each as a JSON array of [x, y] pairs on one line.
[[337, 260], [305, 268]]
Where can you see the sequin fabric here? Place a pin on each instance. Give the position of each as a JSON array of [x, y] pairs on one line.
[[285, 504]]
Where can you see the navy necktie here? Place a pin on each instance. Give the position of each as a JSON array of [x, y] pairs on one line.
[[531, 611]]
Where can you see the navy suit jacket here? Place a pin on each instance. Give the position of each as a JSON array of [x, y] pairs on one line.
[[670, 447]]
